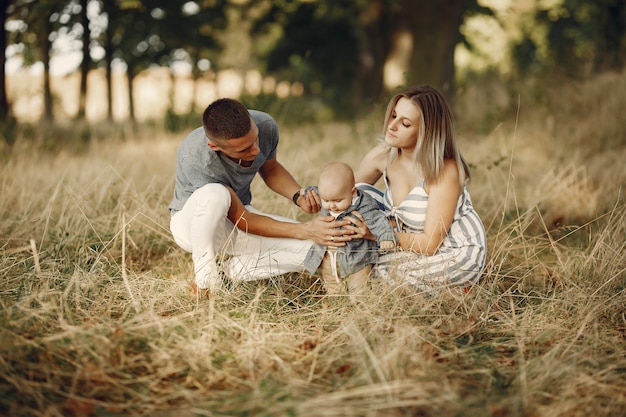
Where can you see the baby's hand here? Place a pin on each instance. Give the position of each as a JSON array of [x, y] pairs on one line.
[[386, 244]]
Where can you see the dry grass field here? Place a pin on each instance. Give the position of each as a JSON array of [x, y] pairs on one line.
[[96, 316]]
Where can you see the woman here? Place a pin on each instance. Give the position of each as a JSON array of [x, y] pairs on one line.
[[442, 240]]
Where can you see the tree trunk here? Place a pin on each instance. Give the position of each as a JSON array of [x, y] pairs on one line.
[[84, 65], [4, 103], [130, 76], [46, 45], [195, 73], [374, 49], [109, 78], [610, 53], [172, 92], [434, 26], [108, 7]]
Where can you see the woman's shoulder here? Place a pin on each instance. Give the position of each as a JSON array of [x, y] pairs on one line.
[[379, 154], [448, 178], [372, 165], [450, 167]]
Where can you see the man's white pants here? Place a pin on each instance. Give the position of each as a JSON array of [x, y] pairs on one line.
[[202, 228]]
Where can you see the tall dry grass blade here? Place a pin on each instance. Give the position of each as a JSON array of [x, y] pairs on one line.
[[361, 342], [47, 213], [12, 251], [124, 273], [520, 336], [510, 177], [35, 252]]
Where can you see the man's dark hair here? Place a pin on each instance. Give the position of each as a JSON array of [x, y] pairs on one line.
[[226, 119]]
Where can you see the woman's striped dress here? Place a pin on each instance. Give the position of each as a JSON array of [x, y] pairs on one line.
[[461, 257]]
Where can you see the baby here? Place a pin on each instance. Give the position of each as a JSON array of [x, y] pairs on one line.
[[347, 268]]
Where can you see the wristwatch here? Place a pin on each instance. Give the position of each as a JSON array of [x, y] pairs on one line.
[[295, 197]]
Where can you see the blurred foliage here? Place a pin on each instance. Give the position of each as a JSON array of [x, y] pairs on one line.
[[319, 48], [335, 49], [176, 122], [581, 37], [338, 49], [291, 110]]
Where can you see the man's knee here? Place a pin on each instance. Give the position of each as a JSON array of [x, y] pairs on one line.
[[202, 213], [214, 196]]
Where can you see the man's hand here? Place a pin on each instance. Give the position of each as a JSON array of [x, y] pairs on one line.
[[309, 201], [327, 231]]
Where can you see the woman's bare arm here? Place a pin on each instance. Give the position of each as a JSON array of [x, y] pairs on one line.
[[442, 200]]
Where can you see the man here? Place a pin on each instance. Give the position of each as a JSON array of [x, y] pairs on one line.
[[215, 165]]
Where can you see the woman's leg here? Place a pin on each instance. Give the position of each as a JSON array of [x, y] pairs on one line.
[[426, 273]]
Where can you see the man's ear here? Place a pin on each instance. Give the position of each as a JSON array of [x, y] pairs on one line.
[[213, 146], [353, 191]]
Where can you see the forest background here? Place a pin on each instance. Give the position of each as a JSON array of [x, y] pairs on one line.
[[96, 317], [337, 57]]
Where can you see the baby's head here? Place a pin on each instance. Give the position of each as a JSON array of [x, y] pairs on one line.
[[336, 186]]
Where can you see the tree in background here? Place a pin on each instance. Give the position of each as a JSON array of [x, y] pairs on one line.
[[134, 39], [109, 8], [375, 23], [40, 22], [146, 33], [434, 28], [338, 48], [318, 47], [139, 33], [582, 37], [85, 63], [192, 33], [4, 102]]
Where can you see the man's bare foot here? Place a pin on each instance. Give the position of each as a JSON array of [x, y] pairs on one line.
[[199, 292]]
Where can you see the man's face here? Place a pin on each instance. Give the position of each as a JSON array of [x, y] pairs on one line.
[[245, 148]]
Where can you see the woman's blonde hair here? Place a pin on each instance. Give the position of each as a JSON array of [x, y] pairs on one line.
[[436, 139]]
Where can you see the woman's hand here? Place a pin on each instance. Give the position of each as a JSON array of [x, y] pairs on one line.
[[327, 231], [358, 226]]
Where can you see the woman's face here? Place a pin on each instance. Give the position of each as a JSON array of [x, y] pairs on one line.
[[403, 127]]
